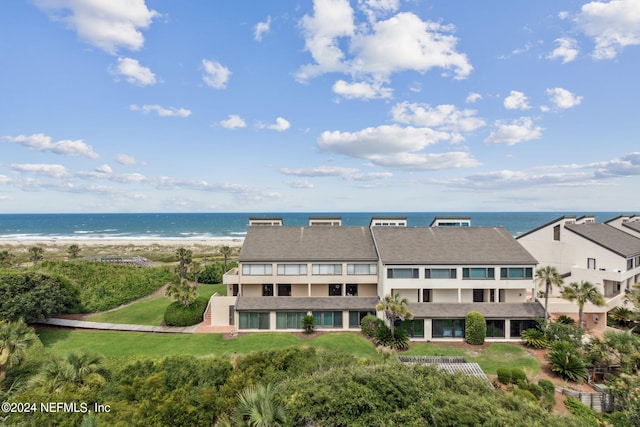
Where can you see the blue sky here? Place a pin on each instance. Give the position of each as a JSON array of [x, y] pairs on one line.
[[325, 105]]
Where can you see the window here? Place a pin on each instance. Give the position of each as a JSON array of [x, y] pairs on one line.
[[591, 263], [235, 289], [478, 273], [292, 269], [365, 269], [516, 273], [355, 317], [478, 295], [352, 290], [402, 273], [254, 320], [335, 290], [427, 295], [517, 326], [556, 232], [440, 273], [328, 319], [284, 290], [326, 269], [448, 328], [287, 320], [267, 290], [257, 269], [414, 328], [630, 264], [495, 328]]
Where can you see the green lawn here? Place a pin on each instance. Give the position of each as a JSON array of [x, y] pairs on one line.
[[149, 311], [109, 343], [495, 356]]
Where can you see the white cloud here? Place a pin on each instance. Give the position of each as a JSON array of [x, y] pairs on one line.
[[361, 90], [347, 174], [613, 25], [52, 170], [233, 122], [514, 132], [377, 48], [134, 73], [473, 97], [567, 50], [516, 101], [41, 142], [161, 111], [125, 159], [375, 9], [108, 25], [301, 183], [280, 125], [262, 28], [215, 74], [104, 169], [444, 117], [427, 161], [562, 98]]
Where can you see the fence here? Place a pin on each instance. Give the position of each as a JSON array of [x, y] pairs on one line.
[[598, 401]]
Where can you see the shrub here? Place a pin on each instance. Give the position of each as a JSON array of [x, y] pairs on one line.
[[517, 374], [308, 322], [583, 412], [370, 324], [547, 386], [534, 338], [567, 364], [399, 341], [565, 320], [476, 328], [504, 375], [179, 315], [525, 394], [535, 389]]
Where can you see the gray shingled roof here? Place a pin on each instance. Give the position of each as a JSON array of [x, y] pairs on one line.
[[317, 243], [490, 310], [634, 225], [306, 303], [449, 245], [623, 244]]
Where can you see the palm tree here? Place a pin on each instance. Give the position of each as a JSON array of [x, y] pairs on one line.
[[185, 256], [74, 250], [258, 406], [182, 292], [583, 293], [549, 277], [15, 339], [77, 368], [36, 254], [395, 308], [196, 268], [226, 253]]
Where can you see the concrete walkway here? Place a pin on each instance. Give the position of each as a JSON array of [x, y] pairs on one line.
[[81, 324]]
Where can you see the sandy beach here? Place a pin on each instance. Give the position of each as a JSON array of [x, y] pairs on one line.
[[171, 242]]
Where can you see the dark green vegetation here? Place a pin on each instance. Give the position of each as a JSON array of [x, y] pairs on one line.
[[295, 385], [179, 315], [475, 327]]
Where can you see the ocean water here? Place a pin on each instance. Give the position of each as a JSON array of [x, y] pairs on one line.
[[199, 226]]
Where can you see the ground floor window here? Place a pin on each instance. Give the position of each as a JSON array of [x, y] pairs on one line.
[[328, 319], [254, 320], [356, 316], [495, 328], [447, 328], [289, 320], [517, 326], [414, 328]]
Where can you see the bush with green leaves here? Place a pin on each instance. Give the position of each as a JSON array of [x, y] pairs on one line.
[[370, 324], [517, 375], [475, 328], [177, 314], [567, 363], [526, 394], [308, 323], [581, 411], [397, 341], [534, 338], [504, 375], [547, 386]]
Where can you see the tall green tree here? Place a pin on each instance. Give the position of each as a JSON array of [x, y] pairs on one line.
[[185, 257], [36, 254], [196, 269], [582, 293], [258, 406], [15, 339], [549, 277], [395, 308], [182, 291], [226, 252]]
